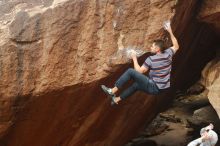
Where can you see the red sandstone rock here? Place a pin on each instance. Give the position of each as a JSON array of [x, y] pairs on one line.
[[54, 56], [47, 47]]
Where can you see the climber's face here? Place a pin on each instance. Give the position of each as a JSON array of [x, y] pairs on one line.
[[154, 48]]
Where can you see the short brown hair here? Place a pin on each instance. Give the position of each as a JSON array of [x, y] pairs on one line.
[[160, 44]]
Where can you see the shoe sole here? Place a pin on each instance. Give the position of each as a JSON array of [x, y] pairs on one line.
[[104, 89], [109, 95]]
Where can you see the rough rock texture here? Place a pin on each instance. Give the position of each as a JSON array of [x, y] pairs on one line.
[[69, 41], [181, 123], [211, 79], [55, 54], [210, 13]]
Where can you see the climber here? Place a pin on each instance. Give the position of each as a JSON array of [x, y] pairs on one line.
[[158, 65], [208, 137]]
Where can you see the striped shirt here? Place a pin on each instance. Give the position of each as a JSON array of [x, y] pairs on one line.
[[160, 68]]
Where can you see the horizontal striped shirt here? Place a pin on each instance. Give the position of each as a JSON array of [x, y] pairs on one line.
[[160, 68]]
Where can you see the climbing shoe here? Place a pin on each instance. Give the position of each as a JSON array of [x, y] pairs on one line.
[[113, 101], [109, 93], [107, 90]]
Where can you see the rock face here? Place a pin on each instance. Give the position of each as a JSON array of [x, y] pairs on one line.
[[211, 79], [187, 116], [55, 54], [210, 13], [69, 40]]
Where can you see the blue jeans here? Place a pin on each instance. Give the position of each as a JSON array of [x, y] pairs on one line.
[[141, 82]]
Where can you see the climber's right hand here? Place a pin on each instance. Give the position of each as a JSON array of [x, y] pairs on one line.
[[133, 54]]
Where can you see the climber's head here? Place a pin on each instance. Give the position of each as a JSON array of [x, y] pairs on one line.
[[157, 46]]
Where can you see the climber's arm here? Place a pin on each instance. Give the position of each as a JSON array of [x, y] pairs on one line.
[[175, 43], [137, 67]]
